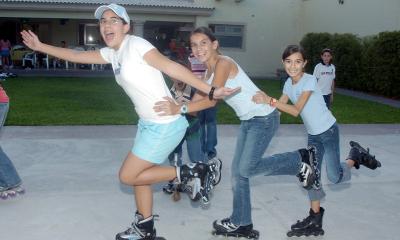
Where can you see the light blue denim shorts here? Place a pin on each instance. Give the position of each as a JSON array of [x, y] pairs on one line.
[[155, 141]]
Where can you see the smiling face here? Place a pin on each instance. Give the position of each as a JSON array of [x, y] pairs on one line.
[[202, 47], [113, 29], [294, 65]]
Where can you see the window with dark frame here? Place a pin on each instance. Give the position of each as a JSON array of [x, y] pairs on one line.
[[229, 36], [89, 34]]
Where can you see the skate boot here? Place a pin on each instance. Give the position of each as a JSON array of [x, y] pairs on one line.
[[226, 228], [362, 157], [141, 229], [192, 188], [216, 167], [200, 171], [311, 225], [309, 174], [169, 187], [11, 192]]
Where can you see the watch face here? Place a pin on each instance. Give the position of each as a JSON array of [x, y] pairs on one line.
[[184, 108]]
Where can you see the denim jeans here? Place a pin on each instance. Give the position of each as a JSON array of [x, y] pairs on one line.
[[327, 99], [8, 175], [327, 145], [254, 137], [208, 123], [193, 144]]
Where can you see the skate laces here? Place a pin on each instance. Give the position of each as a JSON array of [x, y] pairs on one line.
[[301, 174], [304, 172], [135, 228], [228, 225]]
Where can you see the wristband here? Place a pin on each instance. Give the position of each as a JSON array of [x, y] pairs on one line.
[[211, 93]]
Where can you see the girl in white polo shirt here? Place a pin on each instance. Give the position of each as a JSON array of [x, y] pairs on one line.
[[325, 73], [138, 68]]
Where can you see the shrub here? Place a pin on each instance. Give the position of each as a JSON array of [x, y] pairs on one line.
[[371, 64]]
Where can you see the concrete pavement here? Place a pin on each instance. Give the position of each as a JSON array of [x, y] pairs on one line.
[[73, 192]]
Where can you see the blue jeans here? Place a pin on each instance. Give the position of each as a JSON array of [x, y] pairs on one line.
[[254, 137], [193, 144], [208, 123], [8, 175], [327, 99], [327, 145]]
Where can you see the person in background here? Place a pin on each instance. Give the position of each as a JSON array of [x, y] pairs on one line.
[[183, 94], [10, 182], [5, 50], [325, 73]]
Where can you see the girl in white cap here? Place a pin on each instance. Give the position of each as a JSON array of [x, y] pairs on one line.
[[138, 68]]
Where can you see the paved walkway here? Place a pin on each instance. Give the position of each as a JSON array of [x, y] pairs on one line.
[[73, 192], [369, 97]]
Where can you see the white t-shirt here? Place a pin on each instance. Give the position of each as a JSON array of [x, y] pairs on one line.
[[325, 75], [316, 116], [144, 84]]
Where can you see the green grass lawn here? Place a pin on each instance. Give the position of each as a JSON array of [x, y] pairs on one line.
[[97, 101]]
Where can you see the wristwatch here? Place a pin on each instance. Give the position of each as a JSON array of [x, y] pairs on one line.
[[184, 109]]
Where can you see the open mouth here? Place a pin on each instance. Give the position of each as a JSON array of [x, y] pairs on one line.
[[108, 37]]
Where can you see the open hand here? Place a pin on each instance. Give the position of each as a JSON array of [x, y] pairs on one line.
[[261, 97], [30, 39], [167, 107], [222, 92]]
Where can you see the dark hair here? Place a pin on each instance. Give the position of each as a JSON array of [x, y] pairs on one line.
[[206, 31], [328, 50], [291, 49]]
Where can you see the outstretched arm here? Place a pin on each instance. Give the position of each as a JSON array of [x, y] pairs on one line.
[[200, 101], [282, 104], [177, 71], [31, 40]]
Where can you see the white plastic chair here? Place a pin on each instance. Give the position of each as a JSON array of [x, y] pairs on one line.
[[29, 57], [46, 60]]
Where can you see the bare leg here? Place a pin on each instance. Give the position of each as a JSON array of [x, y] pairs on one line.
[[141, 174], [350, 163], [135, 171], [315, 206], [144, 200]]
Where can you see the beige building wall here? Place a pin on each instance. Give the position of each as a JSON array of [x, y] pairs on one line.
[[361, 17], [269, 26]]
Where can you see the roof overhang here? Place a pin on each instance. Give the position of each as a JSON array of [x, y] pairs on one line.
[[168, 7]]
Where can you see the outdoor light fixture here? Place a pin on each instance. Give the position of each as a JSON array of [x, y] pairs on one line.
[[340, 2]]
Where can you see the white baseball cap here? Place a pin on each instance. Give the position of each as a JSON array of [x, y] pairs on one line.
[[117, 9]]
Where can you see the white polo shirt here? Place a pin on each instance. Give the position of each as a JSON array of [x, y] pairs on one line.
[[325, 75], [144, 84]]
